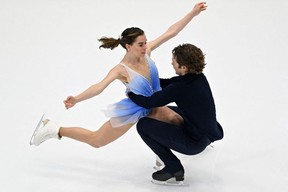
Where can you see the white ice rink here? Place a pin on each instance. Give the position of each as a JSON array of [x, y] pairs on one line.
[[49, 50]]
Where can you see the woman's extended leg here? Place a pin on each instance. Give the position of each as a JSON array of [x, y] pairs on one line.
[[103, 136], [107, 134]]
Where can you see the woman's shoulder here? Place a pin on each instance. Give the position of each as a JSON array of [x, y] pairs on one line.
[[121, 72], [117, 71]]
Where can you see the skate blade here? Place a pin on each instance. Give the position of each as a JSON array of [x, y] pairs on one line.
[[36, 129], [170, 182]]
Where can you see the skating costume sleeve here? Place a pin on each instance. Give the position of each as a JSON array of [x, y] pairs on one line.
[[161, 98], [127, 112], [165, 82]]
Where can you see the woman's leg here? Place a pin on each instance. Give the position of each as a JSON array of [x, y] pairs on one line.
[[167, 115], [103, 136], [107, 134]]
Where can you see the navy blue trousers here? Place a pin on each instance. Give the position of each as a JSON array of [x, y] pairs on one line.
[[161, 137]]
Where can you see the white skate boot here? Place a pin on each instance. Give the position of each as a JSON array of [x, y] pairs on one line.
[[159, 164], [45, 130]]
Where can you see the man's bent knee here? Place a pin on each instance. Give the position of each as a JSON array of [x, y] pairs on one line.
[[143, 124]]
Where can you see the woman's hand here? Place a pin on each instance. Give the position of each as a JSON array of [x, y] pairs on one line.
[[199, 7], [70, 102]]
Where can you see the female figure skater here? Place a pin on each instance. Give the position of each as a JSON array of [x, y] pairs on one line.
[[137, 72]]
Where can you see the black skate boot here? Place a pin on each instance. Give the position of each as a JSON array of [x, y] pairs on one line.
[[163, 177]]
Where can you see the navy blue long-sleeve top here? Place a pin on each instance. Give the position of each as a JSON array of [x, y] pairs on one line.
[[193, 96]]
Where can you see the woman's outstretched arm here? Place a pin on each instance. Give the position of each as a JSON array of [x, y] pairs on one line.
[[93, 90], [174, 29]]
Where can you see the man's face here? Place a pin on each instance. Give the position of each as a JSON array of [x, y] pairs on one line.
[[178, 70]]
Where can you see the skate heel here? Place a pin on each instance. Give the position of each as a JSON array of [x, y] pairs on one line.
[[179, 176]]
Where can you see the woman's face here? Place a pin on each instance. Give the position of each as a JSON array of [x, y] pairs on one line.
[[139, 47]]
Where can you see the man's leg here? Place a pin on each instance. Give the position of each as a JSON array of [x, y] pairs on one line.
[[152, 138], [161, 137]]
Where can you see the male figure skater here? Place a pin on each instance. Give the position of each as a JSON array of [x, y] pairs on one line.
[[191, 92]]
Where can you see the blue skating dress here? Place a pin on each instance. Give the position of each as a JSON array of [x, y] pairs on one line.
[[126, 111]]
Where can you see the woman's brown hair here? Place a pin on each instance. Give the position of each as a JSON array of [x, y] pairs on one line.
[[128, 36]]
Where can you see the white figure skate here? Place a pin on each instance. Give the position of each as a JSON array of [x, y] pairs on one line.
[[45, 130]]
